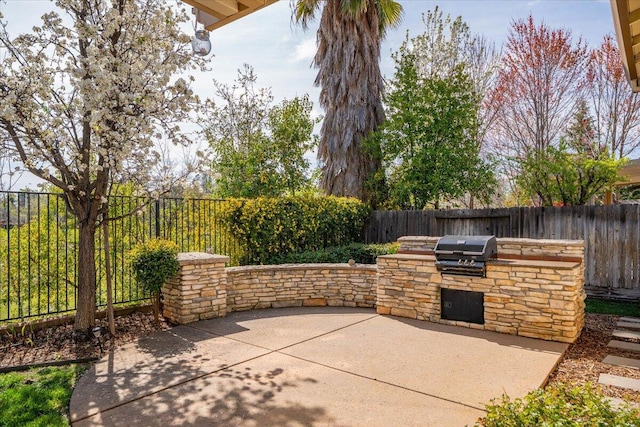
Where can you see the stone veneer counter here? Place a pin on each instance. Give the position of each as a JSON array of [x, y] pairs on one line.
[[527, 297]]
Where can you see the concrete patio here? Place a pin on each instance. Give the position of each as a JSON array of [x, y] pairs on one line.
[[310, 367]]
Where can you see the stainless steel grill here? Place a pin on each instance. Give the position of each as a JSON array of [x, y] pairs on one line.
[[465, 255]]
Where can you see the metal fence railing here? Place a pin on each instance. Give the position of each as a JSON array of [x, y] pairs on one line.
[[39, 244]]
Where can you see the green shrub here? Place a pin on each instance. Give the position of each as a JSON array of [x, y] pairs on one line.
[[360, 253], [267, 227], [154, 262], [559, 407]]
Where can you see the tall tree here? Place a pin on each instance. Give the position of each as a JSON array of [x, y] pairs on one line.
[[428, 140], [537, 88], [258, 148], [616, 108], [442, 52], [82, 98], [574, 171], [347, 59]]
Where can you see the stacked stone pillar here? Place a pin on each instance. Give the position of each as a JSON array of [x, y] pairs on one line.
[[199, 291]]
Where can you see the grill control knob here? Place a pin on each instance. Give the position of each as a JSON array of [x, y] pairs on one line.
[[460, 262], [466, 262], [472, 263]]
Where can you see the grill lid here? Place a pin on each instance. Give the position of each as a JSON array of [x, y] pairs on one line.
[[455, 247], [465, 255]]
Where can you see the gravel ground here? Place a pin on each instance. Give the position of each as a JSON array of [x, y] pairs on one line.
[[581, 364]]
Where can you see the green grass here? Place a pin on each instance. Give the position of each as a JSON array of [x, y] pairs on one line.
[[38, 397], [618, 308]]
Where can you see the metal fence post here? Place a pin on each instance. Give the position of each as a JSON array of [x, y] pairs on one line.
[[157, 218]]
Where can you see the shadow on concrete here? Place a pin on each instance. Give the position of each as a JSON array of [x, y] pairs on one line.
[[167, 344], [498, 338], [231, 324], [229, 397]]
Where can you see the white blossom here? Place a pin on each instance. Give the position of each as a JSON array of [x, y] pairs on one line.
[[81, 118]]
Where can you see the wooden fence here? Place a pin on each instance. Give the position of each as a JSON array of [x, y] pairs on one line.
[[611, 234]]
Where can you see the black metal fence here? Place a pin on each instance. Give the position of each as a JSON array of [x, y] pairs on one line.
[[39, 244]]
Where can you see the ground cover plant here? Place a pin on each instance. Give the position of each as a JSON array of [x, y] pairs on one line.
[[560, 406], [38, 397]]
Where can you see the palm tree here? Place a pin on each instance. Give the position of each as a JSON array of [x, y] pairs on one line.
[[347, 59]]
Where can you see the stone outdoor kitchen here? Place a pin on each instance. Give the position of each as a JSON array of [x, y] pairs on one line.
[[534, 288]]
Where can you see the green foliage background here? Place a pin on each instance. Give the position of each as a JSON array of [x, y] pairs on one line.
[[265, 227], [575, 170], [429, 142], [38, 254], [259, 148], [360, 253]]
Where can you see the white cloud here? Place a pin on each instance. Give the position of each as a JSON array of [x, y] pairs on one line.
[[305, 50]]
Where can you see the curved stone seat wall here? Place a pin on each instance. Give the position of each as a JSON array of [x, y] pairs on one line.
[[296, 285]]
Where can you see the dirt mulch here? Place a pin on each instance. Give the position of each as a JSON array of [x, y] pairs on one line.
[[26, 347], [582, 363]]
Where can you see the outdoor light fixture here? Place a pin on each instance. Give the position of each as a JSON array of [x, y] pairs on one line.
[[200, 43], [97, 332]]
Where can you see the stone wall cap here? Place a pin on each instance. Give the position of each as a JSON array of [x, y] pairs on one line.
[[408, 256], [318, 266], [195, 258], [416, 238], [513, 262], [560, 265], [518, 240]]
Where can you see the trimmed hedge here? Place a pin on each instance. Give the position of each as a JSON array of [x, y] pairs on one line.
[[559, 407], [268, 227], [360, 253]]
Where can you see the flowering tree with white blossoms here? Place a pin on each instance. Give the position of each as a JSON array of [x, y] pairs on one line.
[[82, 99]]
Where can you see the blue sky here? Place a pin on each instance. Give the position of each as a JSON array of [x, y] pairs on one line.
[[281, 52]]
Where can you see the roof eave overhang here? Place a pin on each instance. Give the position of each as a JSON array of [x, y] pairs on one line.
[[214, 14], [622, 24]]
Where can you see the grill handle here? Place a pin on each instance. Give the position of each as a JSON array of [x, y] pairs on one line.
[[443, 252]]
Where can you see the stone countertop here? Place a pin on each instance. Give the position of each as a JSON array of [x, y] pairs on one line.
[[510, 262], [197, 258]]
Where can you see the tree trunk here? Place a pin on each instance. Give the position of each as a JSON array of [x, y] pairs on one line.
[[348, 59], [107, 267], [86, 302], [156, 306]]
